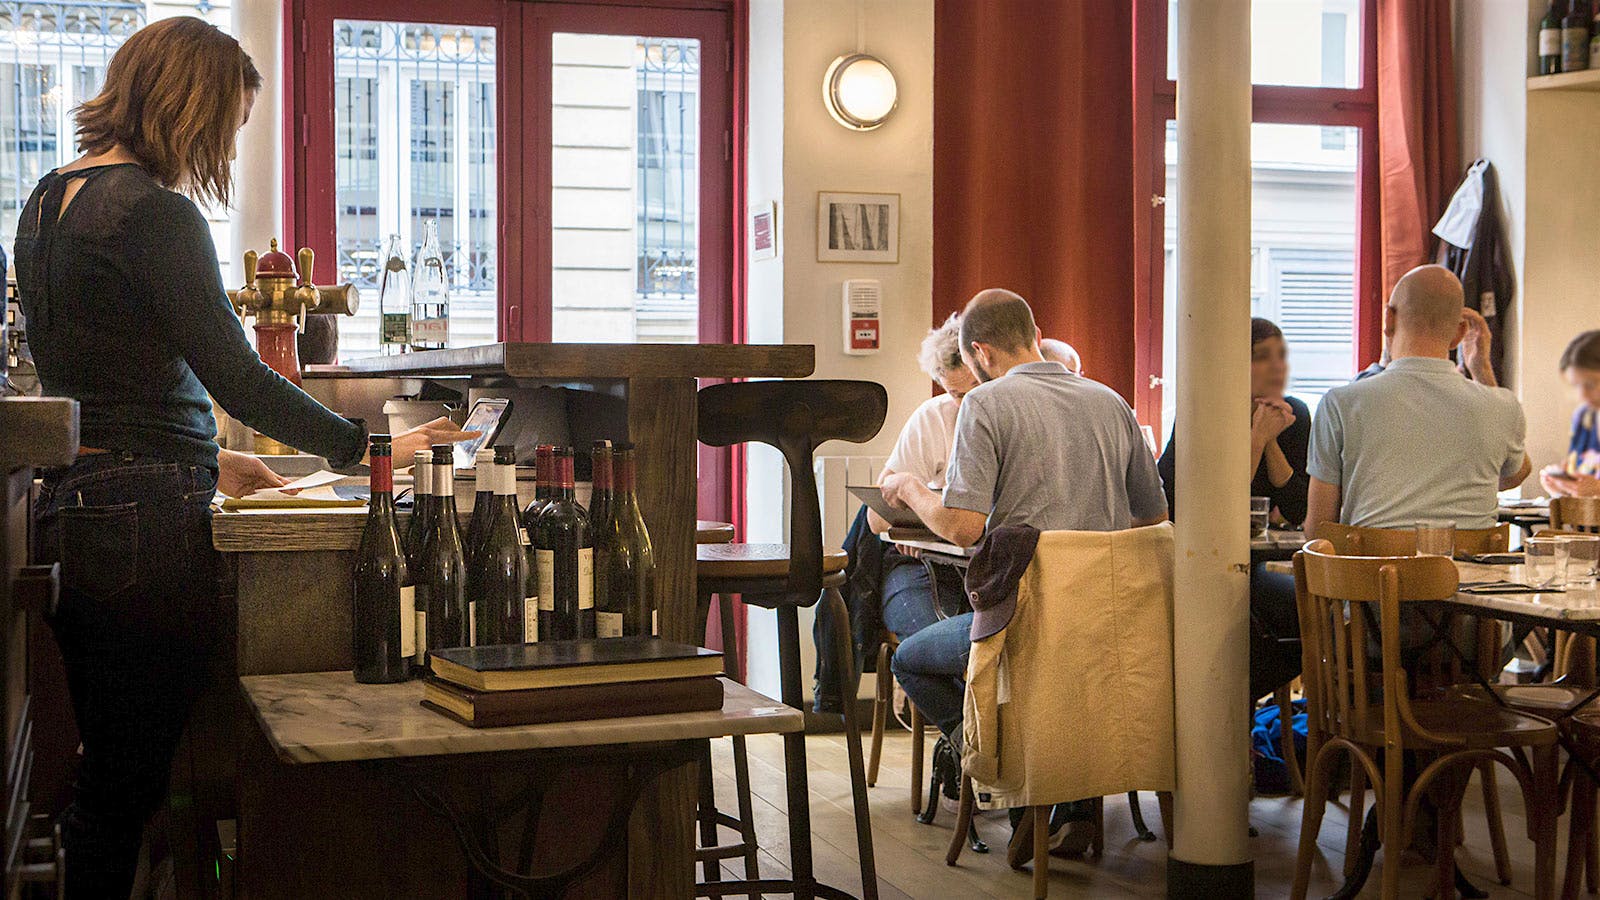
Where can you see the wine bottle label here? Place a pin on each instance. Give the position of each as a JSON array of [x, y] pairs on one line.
[[586, 578], [396, 328], [422, 635], [546, 563], [530, 620], [408, 622], [1549, 42], [523, 533], [472, 623], [655, 621], [1574, 49], [608, 625]]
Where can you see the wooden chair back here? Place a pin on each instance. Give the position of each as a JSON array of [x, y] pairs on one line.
[[1344, 686], [1351, 540], [795, 417], [1579, 514]]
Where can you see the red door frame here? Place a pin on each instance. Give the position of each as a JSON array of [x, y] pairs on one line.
[[1155, 101]]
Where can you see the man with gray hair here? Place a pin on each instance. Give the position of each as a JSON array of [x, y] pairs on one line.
[[1062, 352]]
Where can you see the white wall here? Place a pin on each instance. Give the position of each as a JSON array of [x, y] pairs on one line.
[[796, 150]]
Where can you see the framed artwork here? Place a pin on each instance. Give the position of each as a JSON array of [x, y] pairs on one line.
[[764, 231], [858, 227]]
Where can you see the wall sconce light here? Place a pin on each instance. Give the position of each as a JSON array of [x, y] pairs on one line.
[[859, 91]]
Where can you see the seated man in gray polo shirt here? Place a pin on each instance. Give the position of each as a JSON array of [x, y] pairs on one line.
[[1034, 445], [1420, 443]]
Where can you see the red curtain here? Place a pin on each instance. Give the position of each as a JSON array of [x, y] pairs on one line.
[[1032, 179], [1418, 133]]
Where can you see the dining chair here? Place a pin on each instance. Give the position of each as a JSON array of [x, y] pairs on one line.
[[1584, 727], [882, 701], [1574, 655], [795, 417], [1363, 707], [1351, 540]]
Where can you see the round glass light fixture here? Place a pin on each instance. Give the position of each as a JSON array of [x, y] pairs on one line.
[[859, 91]]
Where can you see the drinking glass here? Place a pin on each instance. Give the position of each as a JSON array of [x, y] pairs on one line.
[[1260, 508], [1583, 559], [1436, 538], [1546, 562]]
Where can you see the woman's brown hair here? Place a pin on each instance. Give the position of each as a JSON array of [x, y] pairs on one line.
[[174, 97], [1583, 352]]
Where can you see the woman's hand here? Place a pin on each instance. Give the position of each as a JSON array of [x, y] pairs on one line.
[[423, 437], [1570, 486], [239, 474], [1269, 418]]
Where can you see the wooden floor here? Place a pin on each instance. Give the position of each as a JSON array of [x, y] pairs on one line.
[[910, 856]]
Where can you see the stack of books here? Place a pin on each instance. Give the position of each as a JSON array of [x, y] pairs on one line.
[[571, 681]]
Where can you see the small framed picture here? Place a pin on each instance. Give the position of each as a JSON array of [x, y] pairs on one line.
[[764, 231], [858, 227]]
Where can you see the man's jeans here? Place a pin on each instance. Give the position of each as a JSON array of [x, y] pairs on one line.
[[908, 594], [137, 622], [932, 666]]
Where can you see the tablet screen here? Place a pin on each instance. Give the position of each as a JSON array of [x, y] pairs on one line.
[[485, 418]]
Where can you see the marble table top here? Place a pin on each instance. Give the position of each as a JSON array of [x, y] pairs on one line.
[[1578, 604], [327, 717]]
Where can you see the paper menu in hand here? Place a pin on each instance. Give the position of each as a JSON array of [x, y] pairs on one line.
[[316, 486]]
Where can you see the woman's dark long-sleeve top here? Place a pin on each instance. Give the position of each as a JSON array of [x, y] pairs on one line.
[[127, 315], [1290, 499]]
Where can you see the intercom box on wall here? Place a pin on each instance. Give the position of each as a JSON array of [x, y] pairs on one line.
[[863, 316]]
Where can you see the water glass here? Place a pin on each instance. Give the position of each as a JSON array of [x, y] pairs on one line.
[[1546, 559], [1260, 508], [1436, 539], [1583, 558]]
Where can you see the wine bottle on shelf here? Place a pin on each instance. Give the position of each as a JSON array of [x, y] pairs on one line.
[[624, 566], [564, 551], [1575, 37], [430, 294], [382, 609], [543, 474], [482, 502], [499, 575], [600, 481], [443, 617], [394, 299], [1550, 41]]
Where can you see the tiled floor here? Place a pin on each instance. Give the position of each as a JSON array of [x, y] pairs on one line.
[[910, 856]]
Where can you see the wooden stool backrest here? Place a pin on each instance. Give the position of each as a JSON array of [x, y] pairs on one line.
[[1341, 678], [1580, 514], [1350, 540], [795, 417]]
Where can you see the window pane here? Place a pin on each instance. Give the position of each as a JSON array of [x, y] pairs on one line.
[[1303, 242], [1305, 43], [626, 179], [52, 57], [414, 132]]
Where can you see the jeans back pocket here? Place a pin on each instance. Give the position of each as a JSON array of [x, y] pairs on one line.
[[99, 549]]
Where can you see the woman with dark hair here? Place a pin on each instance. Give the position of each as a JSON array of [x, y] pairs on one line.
[[126, 312], [1579, 474], [1280, 436]]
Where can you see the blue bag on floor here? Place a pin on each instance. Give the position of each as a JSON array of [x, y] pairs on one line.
[[1272, 775]]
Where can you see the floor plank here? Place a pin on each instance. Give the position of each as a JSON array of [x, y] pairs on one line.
[[910, 856]]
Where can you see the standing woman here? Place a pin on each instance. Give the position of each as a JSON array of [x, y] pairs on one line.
[[127, 315]]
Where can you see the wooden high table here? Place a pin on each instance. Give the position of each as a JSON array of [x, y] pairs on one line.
[[289, 571]]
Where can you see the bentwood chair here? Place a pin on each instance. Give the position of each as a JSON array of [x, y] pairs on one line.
[[795, 417], [1363, 707], [1574, 655], [1351, 540]]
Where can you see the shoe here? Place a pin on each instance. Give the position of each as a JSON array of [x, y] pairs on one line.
[[947, 768], [1072, 842]]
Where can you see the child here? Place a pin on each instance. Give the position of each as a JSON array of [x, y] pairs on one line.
[[1579, 476]]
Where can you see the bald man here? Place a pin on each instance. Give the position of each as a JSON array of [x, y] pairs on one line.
[[1062, 352], [1420, 443]]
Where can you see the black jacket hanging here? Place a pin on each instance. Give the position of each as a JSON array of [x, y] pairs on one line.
[[1472, 246]]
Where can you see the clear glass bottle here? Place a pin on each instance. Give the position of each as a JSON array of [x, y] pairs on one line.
[[430, 294], [394, 299]]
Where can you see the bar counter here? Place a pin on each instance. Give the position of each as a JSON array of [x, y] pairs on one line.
[[288, 577]]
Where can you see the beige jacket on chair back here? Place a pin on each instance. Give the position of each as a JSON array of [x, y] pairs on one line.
[[1073, 698]]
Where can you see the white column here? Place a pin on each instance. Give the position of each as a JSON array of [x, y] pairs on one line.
[[1211, 614], [258, 214]]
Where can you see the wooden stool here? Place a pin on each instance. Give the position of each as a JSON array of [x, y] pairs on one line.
[[795, 417]]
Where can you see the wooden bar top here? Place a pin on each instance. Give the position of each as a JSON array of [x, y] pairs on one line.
[[317, 717], [586, 361]]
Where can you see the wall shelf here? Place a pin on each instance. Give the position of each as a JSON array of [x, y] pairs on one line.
[[1587, 80]]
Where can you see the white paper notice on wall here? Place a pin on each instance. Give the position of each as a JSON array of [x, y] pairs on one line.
[[863, 316]]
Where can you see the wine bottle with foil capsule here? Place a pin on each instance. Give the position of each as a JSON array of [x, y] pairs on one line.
[[382, 597], [441, 579], [500, 571], [625, 569], [564, 552]]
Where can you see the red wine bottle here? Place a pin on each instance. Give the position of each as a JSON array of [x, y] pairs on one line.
[[441, 581], [1550, 41], [600, 480], [565, 554], [380, 621], [624, 565], [544, 476], [482, 503], [422, 506], [499, 580]]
